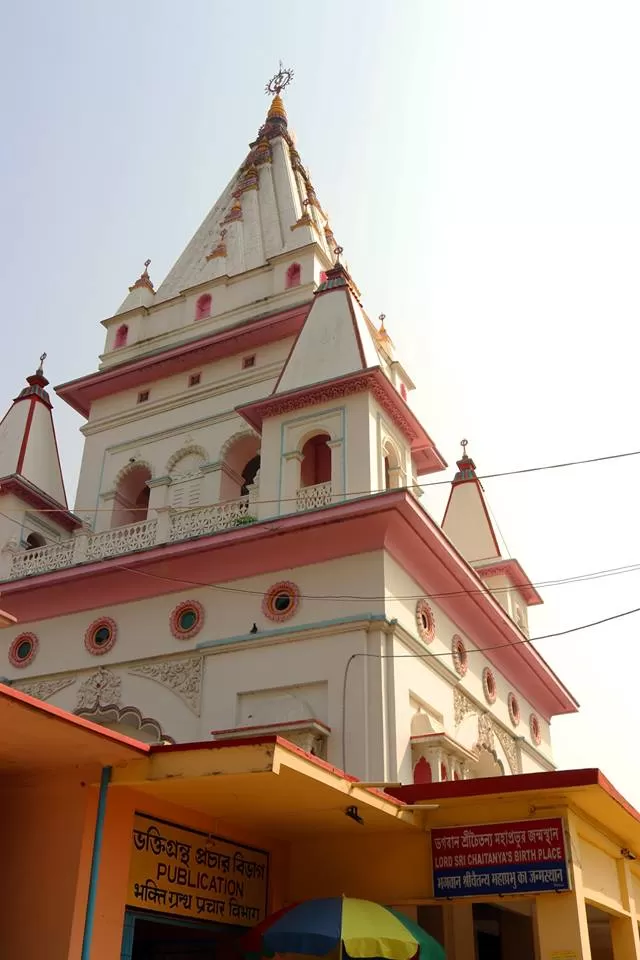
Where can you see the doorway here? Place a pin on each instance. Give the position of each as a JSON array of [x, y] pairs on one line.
[[505, 932], [165, 938]]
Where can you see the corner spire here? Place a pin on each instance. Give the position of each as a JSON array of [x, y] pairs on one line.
[[141, 293], [28, 448], [466, 519]]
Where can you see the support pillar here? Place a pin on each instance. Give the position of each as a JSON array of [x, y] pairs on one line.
[[561, 918], [624, 930], [459, 934]]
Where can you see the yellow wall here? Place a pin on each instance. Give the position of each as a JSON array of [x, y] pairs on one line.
[[44, 855], [116, 852]]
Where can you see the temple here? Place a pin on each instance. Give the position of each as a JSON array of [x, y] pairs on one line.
[[249, 554]]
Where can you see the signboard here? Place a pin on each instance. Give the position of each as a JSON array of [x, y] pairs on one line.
[[499, 858], [186, 873]]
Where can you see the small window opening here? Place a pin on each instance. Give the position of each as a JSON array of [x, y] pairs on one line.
[[249, 474], [403, 391], [121, 336], [143, 396], [203, 306], [35, 540], [194, 379], [248, 362], [294, 276], [316, 462]]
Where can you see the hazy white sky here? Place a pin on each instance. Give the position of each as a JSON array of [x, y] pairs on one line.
[[480, 165]]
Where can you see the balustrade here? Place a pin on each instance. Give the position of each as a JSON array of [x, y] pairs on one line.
[[318, 495], [170, 526]]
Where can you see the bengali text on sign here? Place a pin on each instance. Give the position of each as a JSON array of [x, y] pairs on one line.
[[188, 873], [499, 858]]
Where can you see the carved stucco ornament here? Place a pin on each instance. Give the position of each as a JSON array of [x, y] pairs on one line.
[[182, 677], [44, 689], [488, 729], [102, 688]]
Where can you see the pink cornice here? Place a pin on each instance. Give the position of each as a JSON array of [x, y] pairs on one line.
[[427, 458], [517, 577], [393, 521], [81, 393], [39, 501]]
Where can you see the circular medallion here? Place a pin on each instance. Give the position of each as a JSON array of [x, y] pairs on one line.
[[187, 619], [281, 601], [514, 709], [460, 655], [23, 649], [489, 685], [425, 621], [100, 636], [534, 729]]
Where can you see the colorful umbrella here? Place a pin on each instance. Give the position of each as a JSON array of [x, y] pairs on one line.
[[364, 930]]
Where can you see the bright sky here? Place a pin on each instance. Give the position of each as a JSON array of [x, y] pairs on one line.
[[480, 165]]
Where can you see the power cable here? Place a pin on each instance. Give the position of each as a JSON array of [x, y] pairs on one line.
[[423, 486], [426, 656]]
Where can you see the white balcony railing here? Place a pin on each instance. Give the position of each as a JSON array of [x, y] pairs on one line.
[[168, 527], [203, 520], [125, 539], [309, 498]]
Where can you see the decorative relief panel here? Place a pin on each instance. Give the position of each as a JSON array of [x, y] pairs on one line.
[[488, 729], [182, 677], [44, 689], [102, 688], [462, 706]]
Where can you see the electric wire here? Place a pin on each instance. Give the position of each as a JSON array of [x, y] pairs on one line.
[[427, 655], [431, 483]]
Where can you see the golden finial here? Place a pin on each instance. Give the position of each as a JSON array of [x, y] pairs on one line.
[[381, 330]]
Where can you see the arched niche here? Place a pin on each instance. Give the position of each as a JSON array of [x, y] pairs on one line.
[[128, 721], [131, 500], [240, 458]]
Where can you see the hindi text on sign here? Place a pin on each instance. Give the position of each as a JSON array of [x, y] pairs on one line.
[[525, 857]]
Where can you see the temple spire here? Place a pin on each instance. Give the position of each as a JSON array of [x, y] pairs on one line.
[[28, 447], [466, 520], [141, 292]]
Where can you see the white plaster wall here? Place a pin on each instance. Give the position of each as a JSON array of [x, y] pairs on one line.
[[175, 416], [230, 610], [402, 593], [346, 418], [41, 465], [467, 526], [233, 300], [11, 433]]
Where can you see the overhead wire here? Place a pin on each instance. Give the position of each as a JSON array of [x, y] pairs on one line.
[[423, 486]]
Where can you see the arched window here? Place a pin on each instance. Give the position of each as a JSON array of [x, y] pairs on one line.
[[241, 458], [121, 336], [387, 474], [294, 275], [249, 474], [403, 391], [131, 502], [203, 306], [35, 540], [422, 771], [323, 276], [392, 468], [316, 461]]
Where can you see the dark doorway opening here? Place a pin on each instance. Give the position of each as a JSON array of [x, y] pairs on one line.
[[157, 938]]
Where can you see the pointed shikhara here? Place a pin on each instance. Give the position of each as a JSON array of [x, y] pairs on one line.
[[250, 487]]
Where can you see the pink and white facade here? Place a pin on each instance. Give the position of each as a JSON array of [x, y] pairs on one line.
[[248, 550]]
